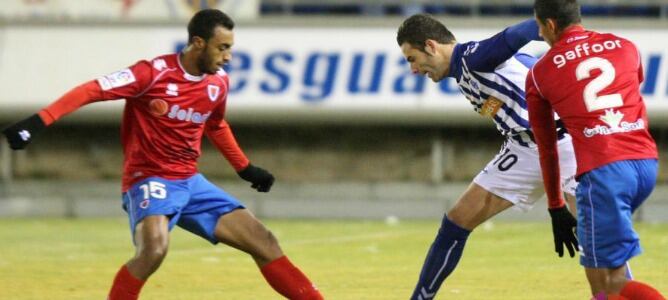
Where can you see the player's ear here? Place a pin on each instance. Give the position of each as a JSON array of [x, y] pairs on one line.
[[430, 46], [551, 25], [198, 42]]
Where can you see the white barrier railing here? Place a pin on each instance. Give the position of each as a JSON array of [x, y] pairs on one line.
[[282, 74]]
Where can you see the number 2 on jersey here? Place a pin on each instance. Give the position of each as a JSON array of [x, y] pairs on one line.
[[154, 189], [590, 94]]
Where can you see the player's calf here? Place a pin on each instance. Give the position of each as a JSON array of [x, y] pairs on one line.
[[442, 259], [268, 251], [241, 230], [634, 290], [126, 286], [289, 281]]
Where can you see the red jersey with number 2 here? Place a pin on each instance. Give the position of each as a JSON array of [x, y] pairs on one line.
[[591, 80]]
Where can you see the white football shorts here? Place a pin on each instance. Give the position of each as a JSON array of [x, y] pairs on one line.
[[514, 174]]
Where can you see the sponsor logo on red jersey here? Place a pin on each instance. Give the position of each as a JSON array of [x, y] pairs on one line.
[[615, 125], [187, 114], [158, 107], [585, 49]]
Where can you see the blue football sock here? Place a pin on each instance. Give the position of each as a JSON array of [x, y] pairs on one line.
[[441, 260]]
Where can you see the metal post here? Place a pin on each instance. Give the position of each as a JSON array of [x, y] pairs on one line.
[[437, 159], [5, 163], [442, 159], [449, 159], [287, 7], [475, 8]]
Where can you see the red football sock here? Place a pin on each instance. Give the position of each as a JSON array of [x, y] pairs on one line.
[[126, 286], [634, 290], [289, 281]]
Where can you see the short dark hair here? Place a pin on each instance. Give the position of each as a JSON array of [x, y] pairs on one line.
[[419, 28], [564, 12], [205, 21]]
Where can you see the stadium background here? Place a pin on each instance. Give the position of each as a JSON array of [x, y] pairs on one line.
[[367, 157], [321, 97]]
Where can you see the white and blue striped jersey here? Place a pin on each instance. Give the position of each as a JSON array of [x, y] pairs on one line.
[[491, 74]]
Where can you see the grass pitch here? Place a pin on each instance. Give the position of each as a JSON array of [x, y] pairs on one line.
[[77, 259]]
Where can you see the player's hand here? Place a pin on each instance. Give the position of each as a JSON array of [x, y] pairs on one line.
[[21, 133], [563, 229], [261, 179]]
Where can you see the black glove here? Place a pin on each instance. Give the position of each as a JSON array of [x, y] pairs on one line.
[[261, 179], [21, 133], [563, 229]]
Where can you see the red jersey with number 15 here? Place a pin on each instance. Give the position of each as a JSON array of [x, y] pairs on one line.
[[591, 80], [164, 116]]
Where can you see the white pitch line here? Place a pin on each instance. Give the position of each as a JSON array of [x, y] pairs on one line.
[[324, 240]]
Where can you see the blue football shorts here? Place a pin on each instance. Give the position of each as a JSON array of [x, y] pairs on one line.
[[606, 199], [194, 204]]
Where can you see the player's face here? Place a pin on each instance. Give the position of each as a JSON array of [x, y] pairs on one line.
[[428, 62], [217, 52]]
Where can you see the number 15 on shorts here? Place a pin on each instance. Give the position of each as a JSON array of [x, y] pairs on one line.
[[152, 189]]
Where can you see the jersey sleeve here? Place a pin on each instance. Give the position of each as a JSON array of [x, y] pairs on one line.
[[126, 83], [486, 55], [220, 134], [77, 97], [541, 118]]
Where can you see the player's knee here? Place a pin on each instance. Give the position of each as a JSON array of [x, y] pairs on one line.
[[268, 248], [615, 284], [461, 220], [263, 236], [271, 240], [153, 253]]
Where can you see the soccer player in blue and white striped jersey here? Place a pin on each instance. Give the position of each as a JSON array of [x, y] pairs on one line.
[[491, 75]]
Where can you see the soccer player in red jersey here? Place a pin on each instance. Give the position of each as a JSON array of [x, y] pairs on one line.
[[171, 102], [591, 80]]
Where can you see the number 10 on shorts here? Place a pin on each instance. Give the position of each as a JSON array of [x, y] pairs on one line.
[[505, 160]]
